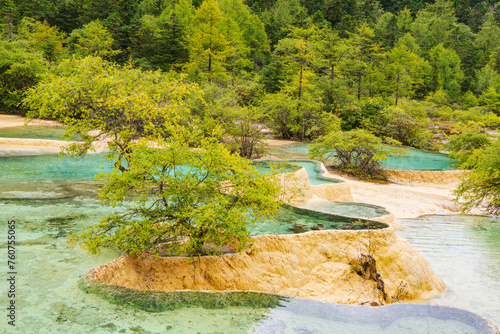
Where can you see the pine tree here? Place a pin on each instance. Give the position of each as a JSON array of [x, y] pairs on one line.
[[7, 17], [208, 47]]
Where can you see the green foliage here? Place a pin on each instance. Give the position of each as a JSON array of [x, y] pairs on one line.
[[160, 43], [116, 104], [404, 72], [42, 38], [252, 41], [432, 26], [356, 115], [8, 12], [92, 40], [186, 201], [480, 187], [19, 70], [464, 146], [397, 124], [356, 151], [490, 99], [361, 62], [447, 72], [291, 117], [208, 46]]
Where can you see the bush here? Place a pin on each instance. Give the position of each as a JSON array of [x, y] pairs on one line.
[[400, 126], [357, 152]]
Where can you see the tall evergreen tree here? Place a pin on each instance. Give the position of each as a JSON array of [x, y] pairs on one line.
[[208, 47]]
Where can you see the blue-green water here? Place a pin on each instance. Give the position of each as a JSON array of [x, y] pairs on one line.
[[413, 160], [347, 209], [51, 199], [52, 168], [312, 167], [465, 252], [48, 299], [34, 132]]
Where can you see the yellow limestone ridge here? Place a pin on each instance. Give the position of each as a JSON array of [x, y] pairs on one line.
[[423, 176], [313, 265]]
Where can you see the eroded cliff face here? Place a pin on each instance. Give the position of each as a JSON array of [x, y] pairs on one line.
[[313, 265]]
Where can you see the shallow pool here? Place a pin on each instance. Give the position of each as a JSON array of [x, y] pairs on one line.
[[35, 132], [50, 205], [465, 252], [49, 300], [413, 160], [312, 168], [348, 209]]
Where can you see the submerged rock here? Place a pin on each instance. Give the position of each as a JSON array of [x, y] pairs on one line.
[[298, 228], [318, 227]]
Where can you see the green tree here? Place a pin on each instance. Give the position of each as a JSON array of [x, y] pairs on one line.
[[488, 38], [331, 51], [208, 47], [357, 151], [8, 12], [463, 41], [43, 38], [245, 132], [447, 72], [92, 39], [404, 72], [20, 69], [463, 146], [103, 101], [186, 201], [160, 43], [282, 15], [433, 24], [401, 126], [487, 77], [362, 61], [480, 187], [253, 34]]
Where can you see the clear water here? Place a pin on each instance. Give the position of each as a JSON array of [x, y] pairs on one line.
[[301, 316], [49, 301], [313, 171], [51, 199], [419, 160], [50, 167], [347, 209], [287, 217], [413, 160], [465, 252], [34, 132]]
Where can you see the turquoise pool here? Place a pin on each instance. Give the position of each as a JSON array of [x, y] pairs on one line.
[[49, 300], [465, 252], [34, 132], [413, 160], [312, 168], [51, 199]]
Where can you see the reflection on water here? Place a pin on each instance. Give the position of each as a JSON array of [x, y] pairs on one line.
[[465, 252], [49, 300]]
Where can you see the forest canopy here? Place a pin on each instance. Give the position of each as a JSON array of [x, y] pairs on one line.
[[419, 72]]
